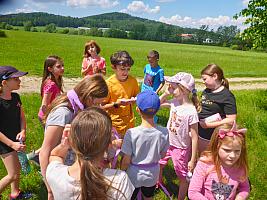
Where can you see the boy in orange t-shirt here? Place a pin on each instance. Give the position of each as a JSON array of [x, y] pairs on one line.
[[123, 89]]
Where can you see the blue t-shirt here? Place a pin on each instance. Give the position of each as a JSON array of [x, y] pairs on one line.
[[154, 76]]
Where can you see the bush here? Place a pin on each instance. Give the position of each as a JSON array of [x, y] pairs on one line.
[[235, 47], [2, 33], [34, 29]]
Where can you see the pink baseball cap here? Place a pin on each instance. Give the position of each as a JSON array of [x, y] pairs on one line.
[[183, 78]]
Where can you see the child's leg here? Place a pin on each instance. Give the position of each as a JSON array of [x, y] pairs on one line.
[[11, 162], [183, 187]]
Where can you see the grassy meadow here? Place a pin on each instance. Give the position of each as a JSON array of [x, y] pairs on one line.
[[28, 50], [252, 114]]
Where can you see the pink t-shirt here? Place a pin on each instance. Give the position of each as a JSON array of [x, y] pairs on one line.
[[98, 64], [49, 87], [181, 117], [205, 184]]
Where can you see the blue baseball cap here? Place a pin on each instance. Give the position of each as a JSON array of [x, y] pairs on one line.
[[7, 72], [148, 102]]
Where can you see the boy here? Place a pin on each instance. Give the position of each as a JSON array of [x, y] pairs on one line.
[[144, 146], [122, 90], [154, 74]]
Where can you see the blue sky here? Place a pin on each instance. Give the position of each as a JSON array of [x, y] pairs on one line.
[[185, 13]]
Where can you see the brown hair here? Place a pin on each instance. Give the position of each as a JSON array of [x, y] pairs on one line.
[[93, 86], [90, 137], [212, 152], [212, 69], [50, 61], [88, 45], [121, 57]]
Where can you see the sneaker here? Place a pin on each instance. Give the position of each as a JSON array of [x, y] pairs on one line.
[[21, 195], [34, 157]]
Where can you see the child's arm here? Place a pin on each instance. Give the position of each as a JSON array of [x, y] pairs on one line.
[[163, 99], [60, 151], [45, 101], [227, 120], [197, 182], [22, 134], [194, 136], [126, 161], [243, 190], [14, 145], [160, 87]]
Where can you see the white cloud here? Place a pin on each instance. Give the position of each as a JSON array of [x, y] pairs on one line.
[[245, 2], [87, 3], [140, 7], [213, 22]]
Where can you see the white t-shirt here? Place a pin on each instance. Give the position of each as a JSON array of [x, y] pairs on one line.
[[64, 186], [181, 117]]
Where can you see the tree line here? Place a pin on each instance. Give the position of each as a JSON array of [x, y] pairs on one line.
[[121, 25]]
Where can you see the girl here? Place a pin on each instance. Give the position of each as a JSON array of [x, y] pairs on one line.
[[89, 137], [12, 129], [52, 82], [182, 126], [222, 171], [51, 87], [92, 62], [90, 91], [216, 100]]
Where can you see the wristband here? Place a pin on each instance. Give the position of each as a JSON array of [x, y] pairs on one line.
[[115, 105]]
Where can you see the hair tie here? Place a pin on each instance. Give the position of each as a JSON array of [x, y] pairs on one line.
[[233, 131], [74, 101], [87, 158]]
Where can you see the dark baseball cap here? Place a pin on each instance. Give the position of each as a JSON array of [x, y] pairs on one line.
[[7, 72]]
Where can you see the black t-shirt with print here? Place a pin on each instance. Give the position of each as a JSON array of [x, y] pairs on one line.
[[222, 102], [10, 120]]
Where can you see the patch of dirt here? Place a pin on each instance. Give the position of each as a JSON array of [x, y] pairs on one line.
[[30, 84]]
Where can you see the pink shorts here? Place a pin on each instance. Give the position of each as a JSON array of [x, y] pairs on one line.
[[180, 159]]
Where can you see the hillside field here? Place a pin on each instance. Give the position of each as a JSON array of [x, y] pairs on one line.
[[28, 50]]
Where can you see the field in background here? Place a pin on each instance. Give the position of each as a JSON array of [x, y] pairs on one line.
[[252, 114], [27, 51]]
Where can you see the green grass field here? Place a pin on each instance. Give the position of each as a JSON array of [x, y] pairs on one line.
[[28, 50], [252, 114]]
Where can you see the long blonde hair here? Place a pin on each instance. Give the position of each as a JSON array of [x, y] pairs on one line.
[[212, 152], [90, 137], [93, 86]]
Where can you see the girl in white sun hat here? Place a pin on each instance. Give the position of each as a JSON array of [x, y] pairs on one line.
[[182, 126]]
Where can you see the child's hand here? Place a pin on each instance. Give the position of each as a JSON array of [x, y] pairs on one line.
[[191, 166], [117, 143], [204, 124], [21, 135], [65, 135], [169, 90], [18, 147]]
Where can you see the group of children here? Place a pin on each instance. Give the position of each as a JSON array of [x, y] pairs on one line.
[[79, 128]]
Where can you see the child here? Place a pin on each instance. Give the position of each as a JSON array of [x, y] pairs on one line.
[[52, 82], [90, 91], [144, 145], [89, 137], [182, 126], [122, 88], [12, 129], [92, 62], [222, 171], [154, 74], [51, 87], [216, 100]]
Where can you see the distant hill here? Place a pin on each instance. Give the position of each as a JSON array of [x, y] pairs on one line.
[[115, 20]]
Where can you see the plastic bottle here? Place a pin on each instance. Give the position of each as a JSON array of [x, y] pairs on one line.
[[25, 166]]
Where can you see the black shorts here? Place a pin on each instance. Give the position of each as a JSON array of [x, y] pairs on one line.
[[5, 149], [146, 191]]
